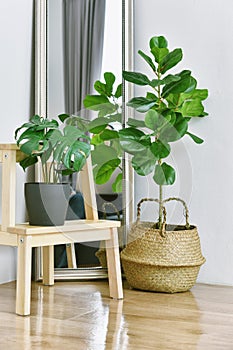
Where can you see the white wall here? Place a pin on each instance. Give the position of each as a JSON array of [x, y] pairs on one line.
[[204, 30], [15, 90]]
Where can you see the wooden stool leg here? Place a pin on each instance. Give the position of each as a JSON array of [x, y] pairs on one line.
[[114, 267], [48, 265], [23, 284], [71, 257]]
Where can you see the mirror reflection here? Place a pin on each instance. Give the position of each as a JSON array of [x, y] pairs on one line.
[[84, 41]]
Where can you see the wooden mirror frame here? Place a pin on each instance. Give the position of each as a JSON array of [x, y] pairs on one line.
[[41, 103]]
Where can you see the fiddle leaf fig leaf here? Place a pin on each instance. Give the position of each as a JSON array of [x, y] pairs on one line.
[[171, 133], [141, 104], [159, 53], [94, 102], [158, 41], [97, 125], [195, 138], [132, 141], [118, 92], [136, 123], [117, 184], [136, 78], [110, 80], [107, 135], [170, 79], [170, 60], [160, 150], [201, 94], [104, 173], [164, 174], [186, 83], [151, 119], [103, 153], [144, 162], [147, 59], [192, 108], [101, 88]]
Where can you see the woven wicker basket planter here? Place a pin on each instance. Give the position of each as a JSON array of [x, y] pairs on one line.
[[163, 261]]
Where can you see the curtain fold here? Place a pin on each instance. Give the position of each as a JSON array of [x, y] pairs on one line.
[[83, 37]]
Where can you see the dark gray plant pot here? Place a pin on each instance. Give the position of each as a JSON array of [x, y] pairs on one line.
[[47, 203]]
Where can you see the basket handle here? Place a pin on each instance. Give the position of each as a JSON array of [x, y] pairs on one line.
[[110, 204], [186, 211], [163, 226]]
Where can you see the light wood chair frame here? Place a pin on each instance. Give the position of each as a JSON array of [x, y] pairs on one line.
[[25, 237]]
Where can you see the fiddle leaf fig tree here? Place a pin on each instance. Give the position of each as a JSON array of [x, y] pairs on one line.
[[106, 153], [169, 105]]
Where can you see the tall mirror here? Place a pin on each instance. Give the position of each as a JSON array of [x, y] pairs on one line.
[[77, 41]]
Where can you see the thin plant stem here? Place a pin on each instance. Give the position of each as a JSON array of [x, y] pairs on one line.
[[160, 205]]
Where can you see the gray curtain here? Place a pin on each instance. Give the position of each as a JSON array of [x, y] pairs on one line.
[[83, 27]]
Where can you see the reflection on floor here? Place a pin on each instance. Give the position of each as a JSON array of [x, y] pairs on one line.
[[79, 315]]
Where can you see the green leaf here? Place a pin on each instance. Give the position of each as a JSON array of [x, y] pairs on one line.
[[158, 41], [115, 117], [117, 184], [171, 60], [151, 119], [170, 133], [144, 162], [154, 120], [132, 140], [164, 174], [159, 53], [31, 145], [70, 132], [93, 102], [103, 153], [107, 135], [63, 117], [160, 150], [151, 96], [185, 83], [28, 161], [132, 146], [192, 108], [105, 172], [96, 140], [201, 94], [195, 138], [131, 133], [97, 125], [136, 78], [141, 104], [110, 80], [170, 79], [75, 156], [136, 123], [147, 59], [118, 92], [101, 88]]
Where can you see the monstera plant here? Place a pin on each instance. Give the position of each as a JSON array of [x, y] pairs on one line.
[[60, 150], [169, 105]]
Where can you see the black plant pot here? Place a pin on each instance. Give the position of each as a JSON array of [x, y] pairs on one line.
[[47, 203]]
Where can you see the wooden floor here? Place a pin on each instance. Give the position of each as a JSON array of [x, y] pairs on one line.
[[80, 316]]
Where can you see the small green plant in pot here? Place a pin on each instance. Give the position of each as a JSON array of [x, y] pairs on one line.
[[60, 151], [168, 107]]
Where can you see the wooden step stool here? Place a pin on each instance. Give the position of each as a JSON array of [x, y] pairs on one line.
[[25, 237]]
